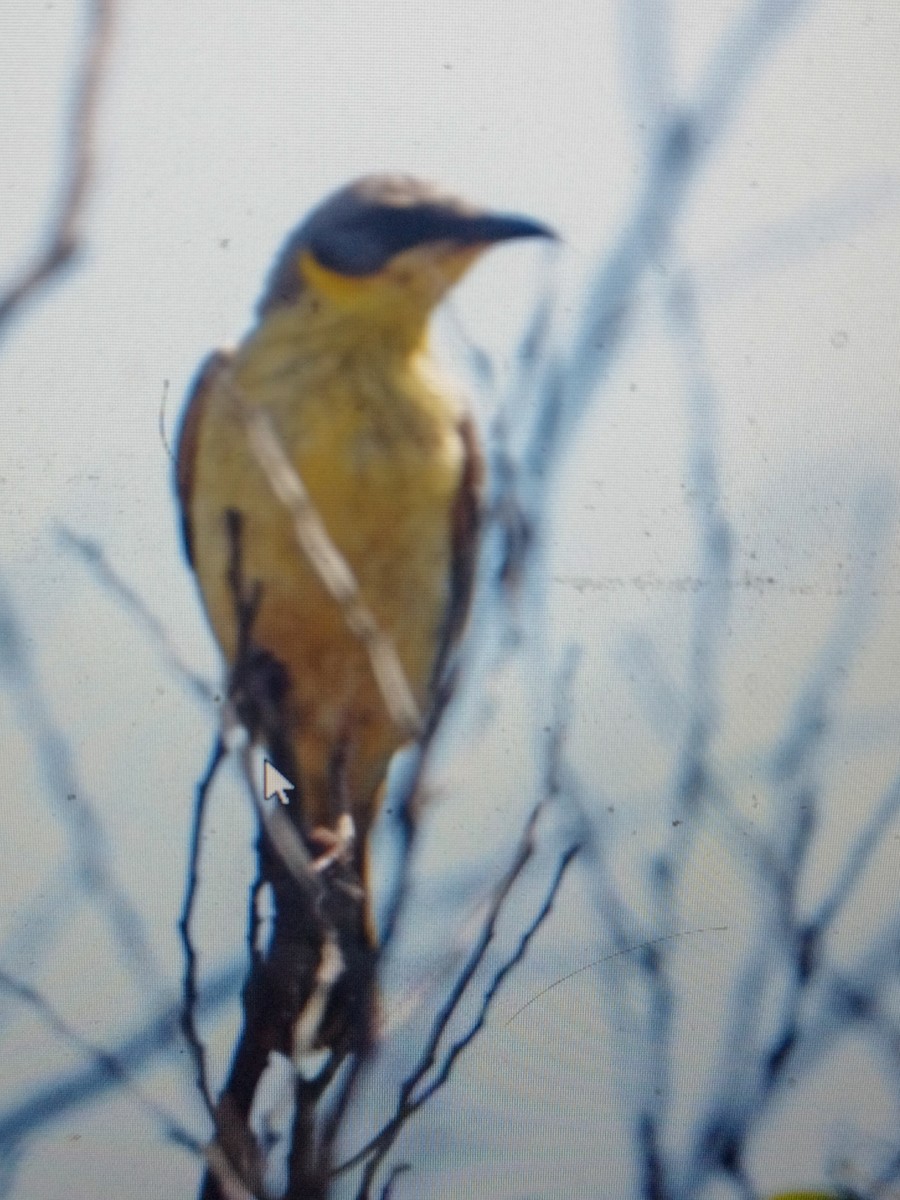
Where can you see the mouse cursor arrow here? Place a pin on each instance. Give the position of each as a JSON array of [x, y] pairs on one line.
[[274, 783]]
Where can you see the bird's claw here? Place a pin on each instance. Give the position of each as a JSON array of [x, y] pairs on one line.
[[333, 845]]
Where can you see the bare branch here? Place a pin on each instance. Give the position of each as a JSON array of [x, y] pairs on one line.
[[189, 983], [308, 995], [92, 555], [76, 812], [107, 1064], [858, 858], [412, 1096], [77, 174]]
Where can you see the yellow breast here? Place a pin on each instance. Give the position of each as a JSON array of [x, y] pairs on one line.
[[378, 448]]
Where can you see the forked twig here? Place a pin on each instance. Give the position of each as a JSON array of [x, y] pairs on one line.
[[415, 1092]]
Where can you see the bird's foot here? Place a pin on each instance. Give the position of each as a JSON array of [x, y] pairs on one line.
[[333, 845]]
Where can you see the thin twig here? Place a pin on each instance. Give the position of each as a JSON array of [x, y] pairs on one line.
[[92, 555], [105, 1062], [77, 175], [154, 1038], [189, 984], [410, 1100], [445, 1013], [76, 812], [858, 857], [278, 827], [396, 1171]]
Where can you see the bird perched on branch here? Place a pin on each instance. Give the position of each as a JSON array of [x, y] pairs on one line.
[[330, 407]]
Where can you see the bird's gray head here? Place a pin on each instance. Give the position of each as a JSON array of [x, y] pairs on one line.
[[362, 228]]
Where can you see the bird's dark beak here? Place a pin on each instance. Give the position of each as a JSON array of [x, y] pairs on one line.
[[485, 229], [458, 239]]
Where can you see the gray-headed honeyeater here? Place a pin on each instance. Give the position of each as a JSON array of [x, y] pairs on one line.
[[338, 359]]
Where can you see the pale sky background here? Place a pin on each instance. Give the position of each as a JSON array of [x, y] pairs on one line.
[[222, 123]]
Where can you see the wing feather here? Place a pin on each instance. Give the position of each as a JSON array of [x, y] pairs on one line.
[[465, 536], [189, 439]]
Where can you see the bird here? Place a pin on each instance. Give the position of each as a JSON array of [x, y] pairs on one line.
[[339, 365]]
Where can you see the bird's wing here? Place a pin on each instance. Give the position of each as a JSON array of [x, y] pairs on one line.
[[465, 531], [188, 440]]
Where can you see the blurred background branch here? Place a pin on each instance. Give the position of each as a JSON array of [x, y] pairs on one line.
[[75, 181]]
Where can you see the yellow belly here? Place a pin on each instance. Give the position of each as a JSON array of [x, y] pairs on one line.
[[380, 454]]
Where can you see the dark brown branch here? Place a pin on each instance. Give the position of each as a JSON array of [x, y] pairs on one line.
[[311, 988], [189, 984]]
